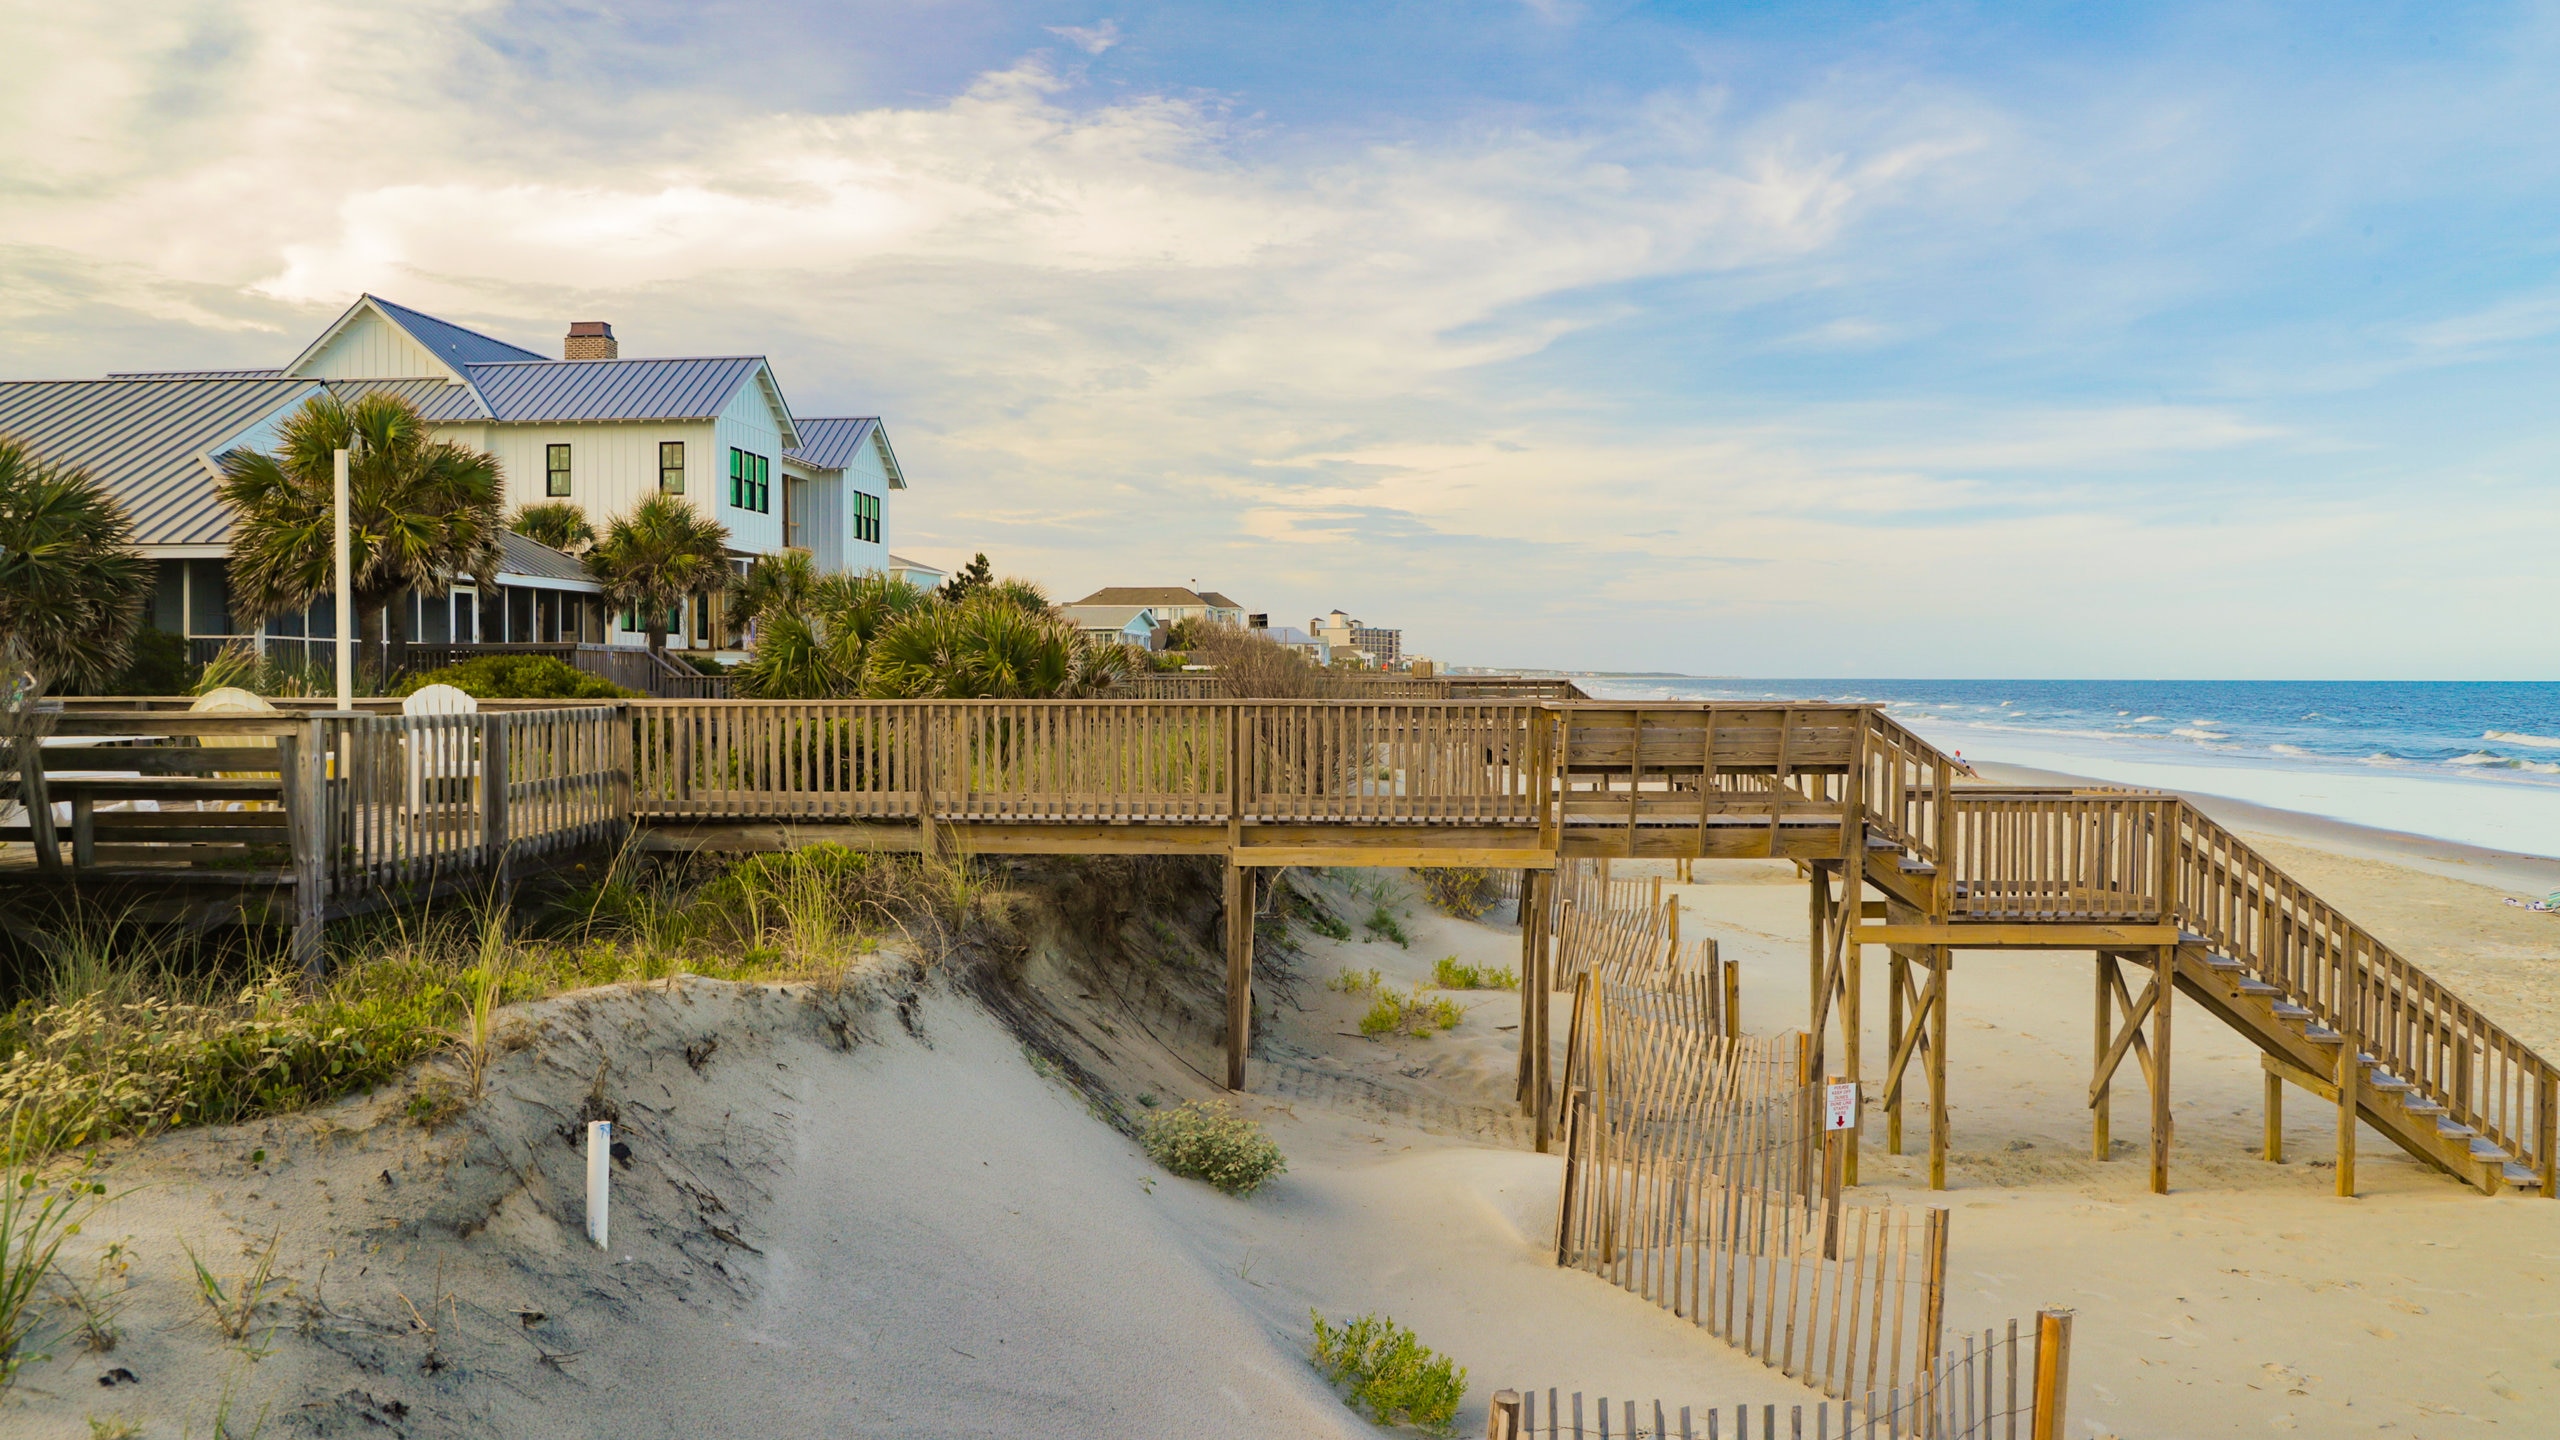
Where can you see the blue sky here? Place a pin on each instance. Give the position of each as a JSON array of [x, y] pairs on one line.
[[1855, 339]]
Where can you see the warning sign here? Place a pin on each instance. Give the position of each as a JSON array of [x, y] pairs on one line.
[[1844, 1104]]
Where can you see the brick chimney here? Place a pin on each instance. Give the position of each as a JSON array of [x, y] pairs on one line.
[[590, 340]]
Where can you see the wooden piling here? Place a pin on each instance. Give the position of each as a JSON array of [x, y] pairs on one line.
[[1239, 906], [2161, 1124], [2101, 1105], [2053, 1376]]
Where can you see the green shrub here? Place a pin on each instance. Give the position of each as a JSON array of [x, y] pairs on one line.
[[1411, 1014], [1390, 1373], [1354, 982], [1324, 922], [1448, 974], [1382, 925], [1205, 1141], [159, 666], [1465, 891], [516, 677]]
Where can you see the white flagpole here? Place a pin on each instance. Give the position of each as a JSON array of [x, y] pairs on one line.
[[346, 599]]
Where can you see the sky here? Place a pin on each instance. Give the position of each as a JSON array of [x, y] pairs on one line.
[[2203, 341]]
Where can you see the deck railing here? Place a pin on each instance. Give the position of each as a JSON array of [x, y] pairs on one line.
[[2059, 855]]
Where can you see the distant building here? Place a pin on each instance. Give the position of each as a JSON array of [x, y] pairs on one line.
[[1172, 603], [1118, 624], [1291, 637], [915, 572], [1370, 644]]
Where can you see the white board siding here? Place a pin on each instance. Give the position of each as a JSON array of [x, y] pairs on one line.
[[372, 348], [613, 465], [747, 423], [821, 517], [865, 473]]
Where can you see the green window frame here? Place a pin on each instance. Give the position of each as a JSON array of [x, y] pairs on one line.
[[555, 471], [750, 481], [866, 516], [670, 467]]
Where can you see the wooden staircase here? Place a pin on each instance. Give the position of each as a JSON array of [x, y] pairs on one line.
[[2252, 946]]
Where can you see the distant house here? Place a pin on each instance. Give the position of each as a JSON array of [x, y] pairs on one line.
[[1118, 624], [1172, 603], [1371, 644], [591, 427], [1293, 638], [916, 572]]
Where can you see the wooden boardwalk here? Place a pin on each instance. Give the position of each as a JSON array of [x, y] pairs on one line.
[[310, 814]]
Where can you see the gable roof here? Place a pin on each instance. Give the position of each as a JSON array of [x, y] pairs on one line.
[[1106, 617], [830, 442], [523, 556], [1221, 601], [150, 442], [570, 390], [1155, 596], [454, 345]]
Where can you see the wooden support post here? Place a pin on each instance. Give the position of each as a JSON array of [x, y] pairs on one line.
[[1502, 1422], [1732, 1001], [929, 840], [2053, 1375], [2275, 1118], [302, 767], [2102, 1105], [34, 794], [1933, 1291], [2546, 1129], [1853, 1044], [2350, 1082], [1838, 1158], [1897, 980], [1945, 961], [84, 831], [1528, 1031], [2161, 1124], [494, 831], [1239, 902]]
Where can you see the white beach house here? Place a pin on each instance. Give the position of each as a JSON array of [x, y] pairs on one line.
[[589, 427]]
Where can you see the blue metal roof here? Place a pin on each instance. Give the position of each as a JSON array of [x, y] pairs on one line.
[[449, 342], [831, 442], [536, 561], [148, 441], [573, 390]]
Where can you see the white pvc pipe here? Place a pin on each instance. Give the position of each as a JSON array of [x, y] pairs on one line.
[[599, 1176], [346, 599]]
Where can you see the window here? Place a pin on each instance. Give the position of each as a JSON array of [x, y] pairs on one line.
[[670, 467], [751, 482], [866, 516], [556, 470]]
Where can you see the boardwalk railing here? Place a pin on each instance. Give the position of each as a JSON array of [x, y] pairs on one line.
[[2145, 857], [633, 667], [1359, 685]]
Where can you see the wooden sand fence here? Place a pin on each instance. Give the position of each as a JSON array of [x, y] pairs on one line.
[[1994, 1387]]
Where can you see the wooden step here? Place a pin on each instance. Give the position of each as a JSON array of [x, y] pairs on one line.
[[2260, 988], [2520, 1177]]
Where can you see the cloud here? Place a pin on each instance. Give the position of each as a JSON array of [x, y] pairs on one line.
[[1130, 333], [1091, 39]]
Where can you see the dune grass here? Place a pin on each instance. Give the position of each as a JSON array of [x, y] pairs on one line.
[[123, 1030]]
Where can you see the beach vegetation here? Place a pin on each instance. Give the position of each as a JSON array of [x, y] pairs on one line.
[[96, 1304], [71, 584], [1385, 1371], [1205, 1140], [1415, 1014], [1354, 982], [515, 677], [40, 1208], [1448, 974], [1383, 924], [422, 512], [559, 524], [659, 556], [1461, 891], [235, 1303]]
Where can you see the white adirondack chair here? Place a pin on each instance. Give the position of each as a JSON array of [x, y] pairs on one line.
[[232, 700], [440, 756]]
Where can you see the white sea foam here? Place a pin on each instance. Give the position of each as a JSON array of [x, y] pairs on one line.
[[2538, 742], [2144, 719], [2291, 750], [2480, 757], [2384, 757], [2191, 733]]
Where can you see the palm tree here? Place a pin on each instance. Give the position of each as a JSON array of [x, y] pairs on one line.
[[776, 584], [984, 648], [556, 523], [657, 557], [421, 512], [71, 584], [818, 648]]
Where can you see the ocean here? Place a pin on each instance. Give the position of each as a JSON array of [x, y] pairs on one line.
[[2477, 763]]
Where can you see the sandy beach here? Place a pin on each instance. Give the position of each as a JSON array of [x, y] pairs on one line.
[[900, 1221]]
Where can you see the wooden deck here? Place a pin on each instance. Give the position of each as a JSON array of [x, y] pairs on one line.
[[311, 814]]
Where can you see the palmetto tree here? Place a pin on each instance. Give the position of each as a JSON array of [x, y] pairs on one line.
[[657, 557], [556, 523], [984, 648], [777, 584], [421, 512], [818, 648], [71, 584]]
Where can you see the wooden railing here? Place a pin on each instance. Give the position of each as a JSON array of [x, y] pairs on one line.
[[2059, 855], [2356, 985], [2096, 856], [1363, 686], [1104, 761]]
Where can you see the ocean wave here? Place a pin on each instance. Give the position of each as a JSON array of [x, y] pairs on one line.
[[2481, 757], [2538, 742], [2295, 750], [2146, 719], [2384, 757], [2190, 733], [2491, 760]]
